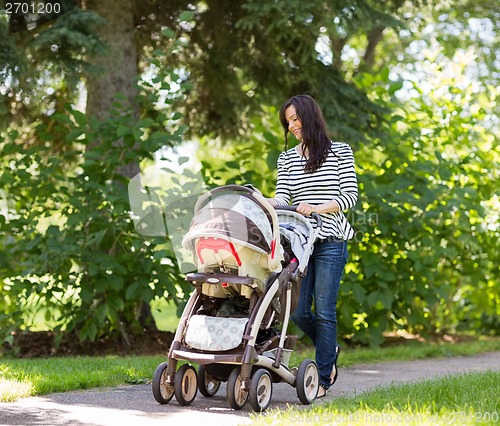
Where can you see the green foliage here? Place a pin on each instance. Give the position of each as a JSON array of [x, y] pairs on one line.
[[69, 237], [425, 255], [58, 52], [243, 54], [250, 160], [423, 258]]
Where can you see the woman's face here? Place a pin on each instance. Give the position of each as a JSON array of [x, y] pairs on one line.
[[293, 120]]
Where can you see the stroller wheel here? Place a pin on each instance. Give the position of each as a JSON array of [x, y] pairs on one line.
[[236, 396], [208, 385], [307, 382], [185, 384], [162, 392], [261, 390]]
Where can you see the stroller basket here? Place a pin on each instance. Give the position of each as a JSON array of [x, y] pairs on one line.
[[215, 333]]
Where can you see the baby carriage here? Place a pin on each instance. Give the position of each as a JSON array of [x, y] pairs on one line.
[[250, 259]]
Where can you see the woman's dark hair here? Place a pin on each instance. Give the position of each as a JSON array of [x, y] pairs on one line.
[[314, 134]]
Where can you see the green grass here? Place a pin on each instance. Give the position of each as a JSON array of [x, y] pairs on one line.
[[465, 399], [28, 377], [408, 351]]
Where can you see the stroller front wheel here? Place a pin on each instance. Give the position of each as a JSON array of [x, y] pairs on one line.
[[236, 396], [162, 391], [307, 381], [185, 384], [207, 384], [261, 390]]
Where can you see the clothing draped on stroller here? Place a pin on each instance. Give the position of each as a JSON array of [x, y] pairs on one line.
[[250, 259]]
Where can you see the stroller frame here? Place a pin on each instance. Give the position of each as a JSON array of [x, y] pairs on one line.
[[252, 367]]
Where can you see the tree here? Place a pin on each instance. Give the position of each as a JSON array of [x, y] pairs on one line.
[[424, 257], [69, 225], [107, 44], [234, 60]]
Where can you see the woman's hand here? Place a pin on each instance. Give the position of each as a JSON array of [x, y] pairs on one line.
[[306, 209]]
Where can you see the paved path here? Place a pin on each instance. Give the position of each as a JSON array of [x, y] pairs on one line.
[[135, 405]]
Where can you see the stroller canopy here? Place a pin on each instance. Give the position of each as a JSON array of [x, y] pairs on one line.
[[234, 217]]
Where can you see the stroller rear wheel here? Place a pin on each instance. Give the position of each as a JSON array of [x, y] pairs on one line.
[[236, 396], [261, 390], [185, 384], [207, 384], [162, 392], [307, 381]]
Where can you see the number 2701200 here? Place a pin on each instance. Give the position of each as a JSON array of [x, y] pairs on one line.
[[31, 7]]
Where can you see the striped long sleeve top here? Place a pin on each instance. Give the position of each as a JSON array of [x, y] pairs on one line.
[[334, 180]]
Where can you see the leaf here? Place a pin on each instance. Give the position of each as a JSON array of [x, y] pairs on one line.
[[80, 118], [132, 290], [93, 270], [387, 297], [122, 130], [384, 74], [373, 298], [101, 313], [359, 293], [168, 33], [272, 159], [182, 160], [186, 16], [115, 281], [144, 123], [74, 134]]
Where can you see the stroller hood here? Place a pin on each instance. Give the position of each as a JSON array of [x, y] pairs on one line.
[[233, 217]]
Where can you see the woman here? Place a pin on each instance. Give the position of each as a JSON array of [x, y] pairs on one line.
[[318, 176]]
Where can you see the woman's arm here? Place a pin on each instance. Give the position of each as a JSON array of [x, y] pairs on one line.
[[348, 187], [348, 180], [283, 195]]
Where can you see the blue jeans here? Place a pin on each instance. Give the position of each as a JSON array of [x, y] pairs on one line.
[[321, 286]]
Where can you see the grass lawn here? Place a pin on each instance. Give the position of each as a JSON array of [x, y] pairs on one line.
[[28, 377], [466, 399], [407, 351]]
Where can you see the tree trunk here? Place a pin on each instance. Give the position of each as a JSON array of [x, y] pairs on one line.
[[374, 38], [337, 46], [117, 72], [117, 69], [119, 66]]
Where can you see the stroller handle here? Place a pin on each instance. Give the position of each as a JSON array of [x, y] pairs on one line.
[[315, 216]]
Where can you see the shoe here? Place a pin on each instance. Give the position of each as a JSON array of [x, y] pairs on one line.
[[335, 371], [321, 392]]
